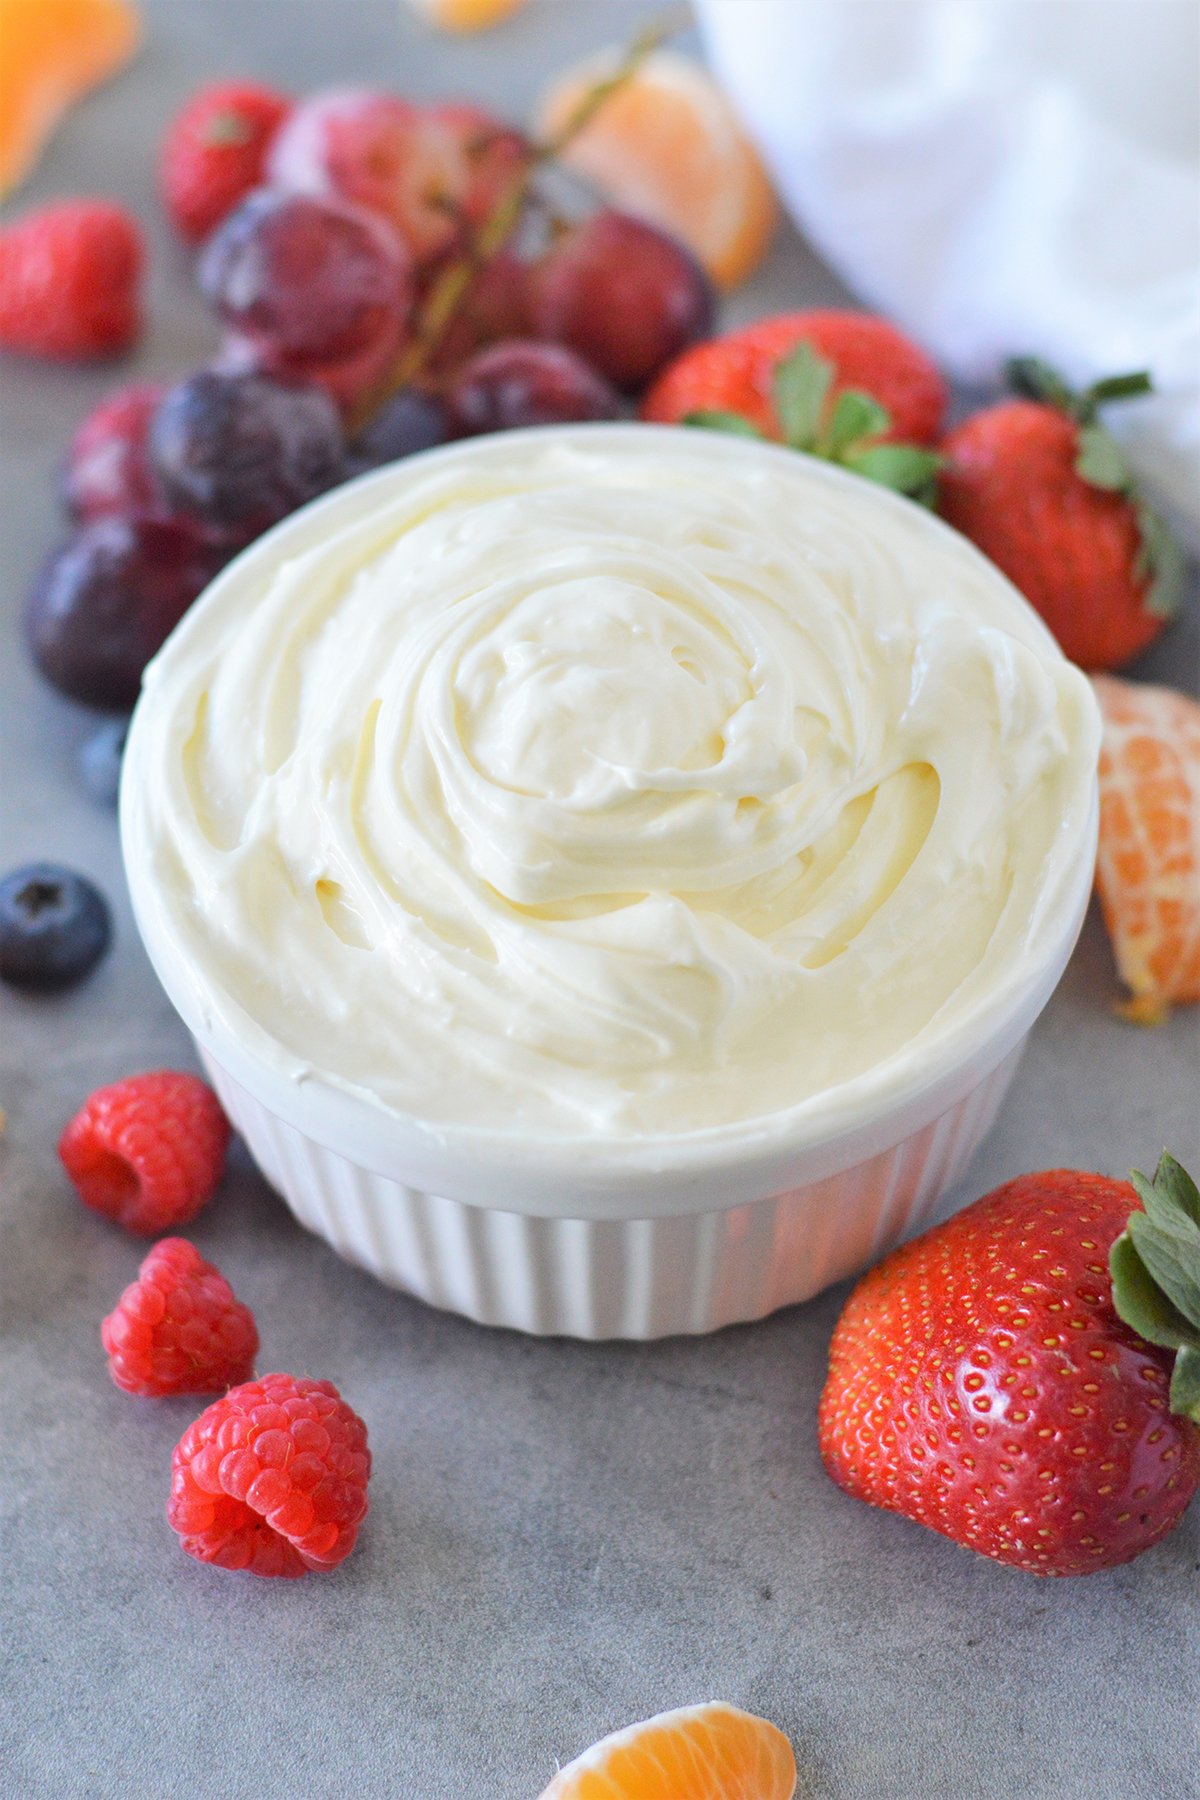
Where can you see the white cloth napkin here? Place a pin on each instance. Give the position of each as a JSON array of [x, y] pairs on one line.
[[1000, 177]]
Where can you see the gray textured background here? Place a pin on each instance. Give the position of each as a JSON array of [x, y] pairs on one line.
[[562, 1537]]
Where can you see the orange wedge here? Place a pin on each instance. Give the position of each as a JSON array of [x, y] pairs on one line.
[[1148, 866], [667, 146], [465, 15], [52, 52], [712, 1752]]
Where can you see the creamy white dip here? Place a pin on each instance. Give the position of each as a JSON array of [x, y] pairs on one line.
[[616, 781]]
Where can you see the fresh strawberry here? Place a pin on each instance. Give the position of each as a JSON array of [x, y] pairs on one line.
[[215, 150], [1045, 492], [737, 374], [1006, 1379], [69, 278], [842, 386]]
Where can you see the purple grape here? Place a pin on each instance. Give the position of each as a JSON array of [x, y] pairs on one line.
[[411, 420], [239, 449], [108, 598], [520, 383]]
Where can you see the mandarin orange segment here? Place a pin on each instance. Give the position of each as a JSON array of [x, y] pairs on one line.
[[465, 15], [1148, 866], [52, 52], [710, 1752], [667, 146]]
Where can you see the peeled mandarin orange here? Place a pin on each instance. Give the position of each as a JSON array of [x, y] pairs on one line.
[[52, 52], [465, 15], [711, 1752], [1148, 866], [667, 145]]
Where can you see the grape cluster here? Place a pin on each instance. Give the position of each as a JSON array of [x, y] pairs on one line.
[[321, 280]]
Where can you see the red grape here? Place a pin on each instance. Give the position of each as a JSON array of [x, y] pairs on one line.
[[623, 294], [428, 170], [106, 469], [348, 380], [308, 279], [493, 308], [521, 383]]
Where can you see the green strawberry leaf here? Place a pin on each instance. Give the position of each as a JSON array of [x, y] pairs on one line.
[[1185, 1384], [1101, 461], [799, 389], [1161, 560], [1155, 1267], [855, 417], [1141, 1302], [901, 467], [1172, 1198], [710, 419], [1036, 380], [1118, 387], [1172, 1256]]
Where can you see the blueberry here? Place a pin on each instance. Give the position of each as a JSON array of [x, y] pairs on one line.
[[54, 926], [100, 761]]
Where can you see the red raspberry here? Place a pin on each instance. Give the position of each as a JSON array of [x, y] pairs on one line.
[[272, 1478], [177, 1329], [214, 151], [147, 1151], [69, 278]]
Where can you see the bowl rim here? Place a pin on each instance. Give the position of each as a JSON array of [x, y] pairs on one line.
[[769, 1152]]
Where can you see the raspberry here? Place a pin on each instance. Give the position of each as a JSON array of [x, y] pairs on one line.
[[271, 1478], [214, 151], [69, 278], [147, 1151], [177, 1329]]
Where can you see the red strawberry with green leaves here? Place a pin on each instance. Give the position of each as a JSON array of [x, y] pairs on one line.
[[1025, 1378], [845, 386], [1042, 489]]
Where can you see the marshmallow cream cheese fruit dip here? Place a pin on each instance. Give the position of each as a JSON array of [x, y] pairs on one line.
[[611, 783]]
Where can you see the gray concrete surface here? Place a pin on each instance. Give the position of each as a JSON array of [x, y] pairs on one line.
[[562, 1538]]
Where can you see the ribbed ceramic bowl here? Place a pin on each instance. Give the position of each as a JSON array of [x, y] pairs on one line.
[[546, 1239]]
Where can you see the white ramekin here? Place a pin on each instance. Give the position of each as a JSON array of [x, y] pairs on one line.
[[556, 1244]]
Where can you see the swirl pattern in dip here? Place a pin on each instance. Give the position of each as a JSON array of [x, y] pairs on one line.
[[618, 783]]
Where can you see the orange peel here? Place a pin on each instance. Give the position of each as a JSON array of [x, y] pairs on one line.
[[52, 53], [667, 145], [1148, 864]]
